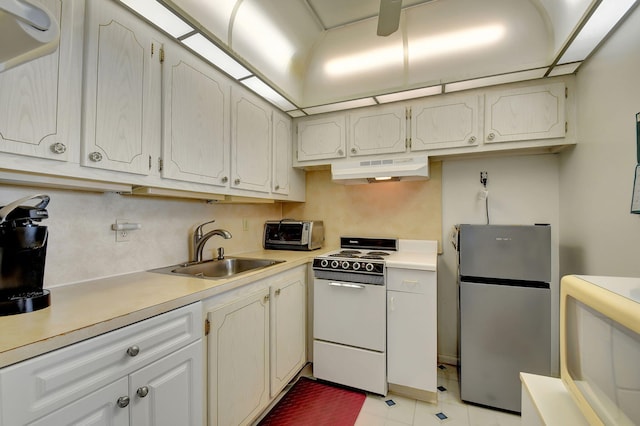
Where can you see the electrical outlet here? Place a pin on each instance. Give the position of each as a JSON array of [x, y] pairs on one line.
[[484, 176], [122, 236]]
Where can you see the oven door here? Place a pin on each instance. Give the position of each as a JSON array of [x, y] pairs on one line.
[[351, 314]]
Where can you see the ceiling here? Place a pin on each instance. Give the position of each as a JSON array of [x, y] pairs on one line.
[[326, 52]]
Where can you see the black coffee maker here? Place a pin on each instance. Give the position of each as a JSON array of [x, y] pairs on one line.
[[23, 248]]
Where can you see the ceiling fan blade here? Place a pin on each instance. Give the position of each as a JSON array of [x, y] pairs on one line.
[[389, 16]]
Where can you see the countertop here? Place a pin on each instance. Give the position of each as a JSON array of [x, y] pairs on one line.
[[83, 310]]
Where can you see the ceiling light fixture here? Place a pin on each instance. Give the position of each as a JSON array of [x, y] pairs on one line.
[[212, 53], [603, 19], [409, 94], [495, 80], [160, 16], [356, 103], [264, 90]]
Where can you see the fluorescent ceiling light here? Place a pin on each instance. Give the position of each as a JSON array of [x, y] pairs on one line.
[[456, 41], [340, 106], [494, 80], [409, 94], [296, 113], [564, 69], [216, 56], [386, 57], [262, 89], [605, 17], [160, 16]]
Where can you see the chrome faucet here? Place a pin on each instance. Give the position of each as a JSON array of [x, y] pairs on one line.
[[200, 239]]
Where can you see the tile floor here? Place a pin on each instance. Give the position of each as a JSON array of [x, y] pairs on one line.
[[376, 412]]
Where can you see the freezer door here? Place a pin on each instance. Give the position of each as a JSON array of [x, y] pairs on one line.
[[504, 330], [511, 252]]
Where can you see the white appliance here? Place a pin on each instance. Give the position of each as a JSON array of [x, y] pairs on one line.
[[350, 322], [380, 170]]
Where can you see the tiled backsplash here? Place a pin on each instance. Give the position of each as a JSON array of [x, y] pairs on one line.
[[82, 245]]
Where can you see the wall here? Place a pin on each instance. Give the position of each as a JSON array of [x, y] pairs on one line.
[[599, 236], [409, 210], [82, 245], [522, 190]]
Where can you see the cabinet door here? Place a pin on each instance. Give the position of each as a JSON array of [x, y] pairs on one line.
[[122, 90], [379, 130], [195, 143], [412, 329], [169, 391], [525, 113], [250, 142], [288, 328], [281, 154], [322, 138], [444, 123], [239, 360], [100, 408], [40, 99]]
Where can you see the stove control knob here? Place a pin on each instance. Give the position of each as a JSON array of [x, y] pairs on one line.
[[369, 267], [345, 265], [324, 263], [356, 266], [335, 264]]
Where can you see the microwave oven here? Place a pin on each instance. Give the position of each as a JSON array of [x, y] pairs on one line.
[[290, 234], [600, 347]]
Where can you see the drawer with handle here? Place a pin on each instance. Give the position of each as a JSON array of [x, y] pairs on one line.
[[35, 387], [410, 280]]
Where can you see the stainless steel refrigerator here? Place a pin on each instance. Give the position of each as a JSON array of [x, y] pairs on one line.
[[505, 310]]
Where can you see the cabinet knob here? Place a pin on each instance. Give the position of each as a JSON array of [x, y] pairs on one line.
[[277, 292], [123, 401], [95, 156], [133, 350], [277, 187], [58, 148], [142, 391], [340, 152], [225, 179], [491, 136], [236, 182], [354, 151], [472, 139]]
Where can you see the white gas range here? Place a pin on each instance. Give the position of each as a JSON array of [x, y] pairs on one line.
[[350, 309]]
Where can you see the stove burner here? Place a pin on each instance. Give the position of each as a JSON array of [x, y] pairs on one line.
[[344, 252], [374, 257], [347, 255], [377, 253]]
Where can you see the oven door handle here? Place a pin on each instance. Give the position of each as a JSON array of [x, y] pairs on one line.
[[358, 286]]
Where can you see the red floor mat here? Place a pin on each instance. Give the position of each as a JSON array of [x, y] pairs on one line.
[[313, 403]]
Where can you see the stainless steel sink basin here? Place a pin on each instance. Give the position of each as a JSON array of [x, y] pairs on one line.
[[218, 269]]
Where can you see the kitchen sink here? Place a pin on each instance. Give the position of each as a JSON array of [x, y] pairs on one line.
[[218, 268]]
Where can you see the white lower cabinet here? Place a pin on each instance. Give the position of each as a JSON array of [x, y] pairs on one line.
[[412, 333], [288, 327], [148, 373], [256, 345], [239, 359]]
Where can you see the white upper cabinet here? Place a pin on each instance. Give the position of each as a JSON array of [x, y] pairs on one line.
[[282, 140], [322, 138], [445, 122], [196, 119], [250, 141], [122, 95], [40, 99], [536, 112], [379, 130]]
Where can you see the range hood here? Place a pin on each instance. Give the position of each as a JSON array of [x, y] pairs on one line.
[[380, 170]]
